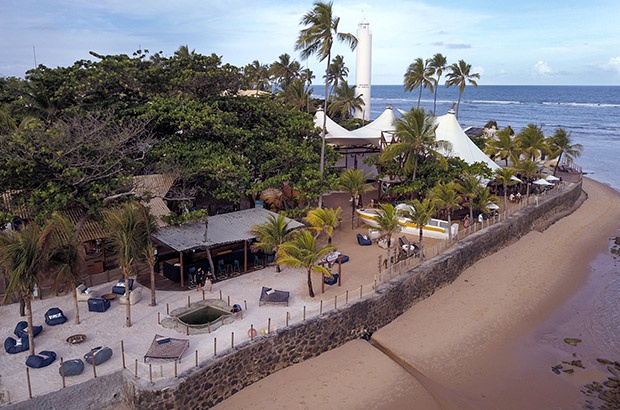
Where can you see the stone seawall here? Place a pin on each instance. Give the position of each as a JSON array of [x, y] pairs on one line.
[[219, 378]]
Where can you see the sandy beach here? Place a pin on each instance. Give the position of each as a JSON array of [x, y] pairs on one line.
[[449, 351], [458, 345]]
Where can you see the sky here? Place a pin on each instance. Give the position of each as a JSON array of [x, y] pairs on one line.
[[526, 42]]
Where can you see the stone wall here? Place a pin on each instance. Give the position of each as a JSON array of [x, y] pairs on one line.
[[218, 378]]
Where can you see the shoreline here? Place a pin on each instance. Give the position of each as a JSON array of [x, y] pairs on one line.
[[474, 319]]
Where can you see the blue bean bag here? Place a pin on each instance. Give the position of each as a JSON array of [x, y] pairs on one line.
[[98, 304], [12, 346], [331, 281], [54, 316], [102, 355], [119, 288], [44, 358], [21, 329], [72, 367], [363, 240]]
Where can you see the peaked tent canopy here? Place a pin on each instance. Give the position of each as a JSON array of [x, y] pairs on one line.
[[448, 129], [369, 134]]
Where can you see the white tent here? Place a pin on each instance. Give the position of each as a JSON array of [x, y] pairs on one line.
[[369, 134], [448, 129]]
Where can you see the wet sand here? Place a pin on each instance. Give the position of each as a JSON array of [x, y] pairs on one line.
[[460, 348]]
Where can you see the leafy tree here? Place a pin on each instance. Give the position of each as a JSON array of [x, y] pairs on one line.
[[284, 71], [469, 186], [387, 220], [271, 235], [67, 256], [483, 199], [505, 176], [531, 142], [324, 220], [528, 169], [304, 252], [257, 76], [420, 212], [128, 233], [460, 75], [318, 38], [560, 144], [418, 75], [353, 181], [337, 72], [445, 196], [503, 146], [298, 95], [23, 256]]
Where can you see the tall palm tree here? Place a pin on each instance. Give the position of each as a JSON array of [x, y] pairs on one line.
[[345, 102], [127, 231], [353, 181], [504, 146], [418, 75], [337, 72], [318, 38], [420, 212], [416, 137], [387, 221], [445, 196], [437, 64], [271, 235], [532, 142], [468, 187], [284, 70], [257, 76], [297, 94], [67, 256], [148, 252], [460, 75], [304, 251], [560, 145], [324, 220], [528, 170], [23, 257], [505, 176], [483, 199]]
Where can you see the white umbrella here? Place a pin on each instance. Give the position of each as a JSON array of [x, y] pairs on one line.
[[514, 178], [552, 178], [493, 206], [542, 182]]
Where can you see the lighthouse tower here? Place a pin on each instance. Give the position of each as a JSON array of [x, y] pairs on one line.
[[362, 68]]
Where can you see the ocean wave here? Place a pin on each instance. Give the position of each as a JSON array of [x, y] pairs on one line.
[[500, 102], [576, 104]]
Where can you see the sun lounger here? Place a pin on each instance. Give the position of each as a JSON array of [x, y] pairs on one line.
[[166, 348], [101, 354], [269, 296]]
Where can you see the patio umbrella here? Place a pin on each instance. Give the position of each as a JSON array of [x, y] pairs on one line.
[[492, 206], [552, 178], [542, 182], [514, 178]]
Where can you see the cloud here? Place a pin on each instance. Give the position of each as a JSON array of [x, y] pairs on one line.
[[612, 65], [458, 46], [543, 68]]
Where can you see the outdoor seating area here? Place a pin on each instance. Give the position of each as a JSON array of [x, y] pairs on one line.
[[73, 367], [408, 248], [98, 305], [100, 354], [84, 293], [119, 288], [135, 296], [21, 329], [363, 240], [14, 346]]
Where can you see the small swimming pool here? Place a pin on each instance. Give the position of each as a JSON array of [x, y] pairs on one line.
[[200, 317], [203, 316]]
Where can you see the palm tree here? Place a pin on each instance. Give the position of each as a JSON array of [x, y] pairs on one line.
[[560, 144], [437, 64], [418, 76], [416, 136], [303, 251], [353, 181], [337, 72], [148, 252], [420, 212], [468, 186], [284, 70], [318, 38], [528, 170], [324, 220], [483, 199], [297, 94], [460, 75], [345, 102], [23, 257], [387, 221], [257, 75], [532, 142], [503, 146], [445, 196], [505, 176], [271, 235], [127, 231], [67, 256]]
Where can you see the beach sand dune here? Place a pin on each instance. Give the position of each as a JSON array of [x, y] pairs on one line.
[[458, 346]]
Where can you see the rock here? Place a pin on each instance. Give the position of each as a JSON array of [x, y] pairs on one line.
[[572, 341]]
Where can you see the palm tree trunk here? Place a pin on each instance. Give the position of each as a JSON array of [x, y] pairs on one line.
[[419, 97], [152, 275], [310, 290], [127, 292], [324, 130], [557, 164], [76, 305], [29, 319], [458, 105]]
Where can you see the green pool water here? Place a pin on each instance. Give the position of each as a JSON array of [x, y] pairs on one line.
[[203, 316]]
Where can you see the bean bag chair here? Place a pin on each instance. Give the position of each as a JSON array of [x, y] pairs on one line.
[[343, 258], [119, 288], [72, 367], [13, 346], [98, 305], [44, 358], [54, 316], [21, 330], [102, 355], [363, 240], [331, 281]]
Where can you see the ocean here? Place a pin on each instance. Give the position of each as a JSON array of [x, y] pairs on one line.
[[590, 113]]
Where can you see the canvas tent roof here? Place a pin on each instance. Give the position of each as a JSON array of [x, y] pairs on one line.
[[370, 134], [448, 129], [222, 229]]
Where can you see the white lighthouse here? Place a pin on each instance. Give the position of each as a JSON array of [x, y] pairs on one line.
[[362, 68]]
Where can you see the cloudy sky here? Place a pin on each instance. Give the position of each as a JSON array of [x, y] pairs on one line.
[[549, 42]]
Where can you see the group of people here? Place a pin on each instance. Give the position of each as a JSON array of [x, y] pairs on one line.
[[200, 280], [515, 198]]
